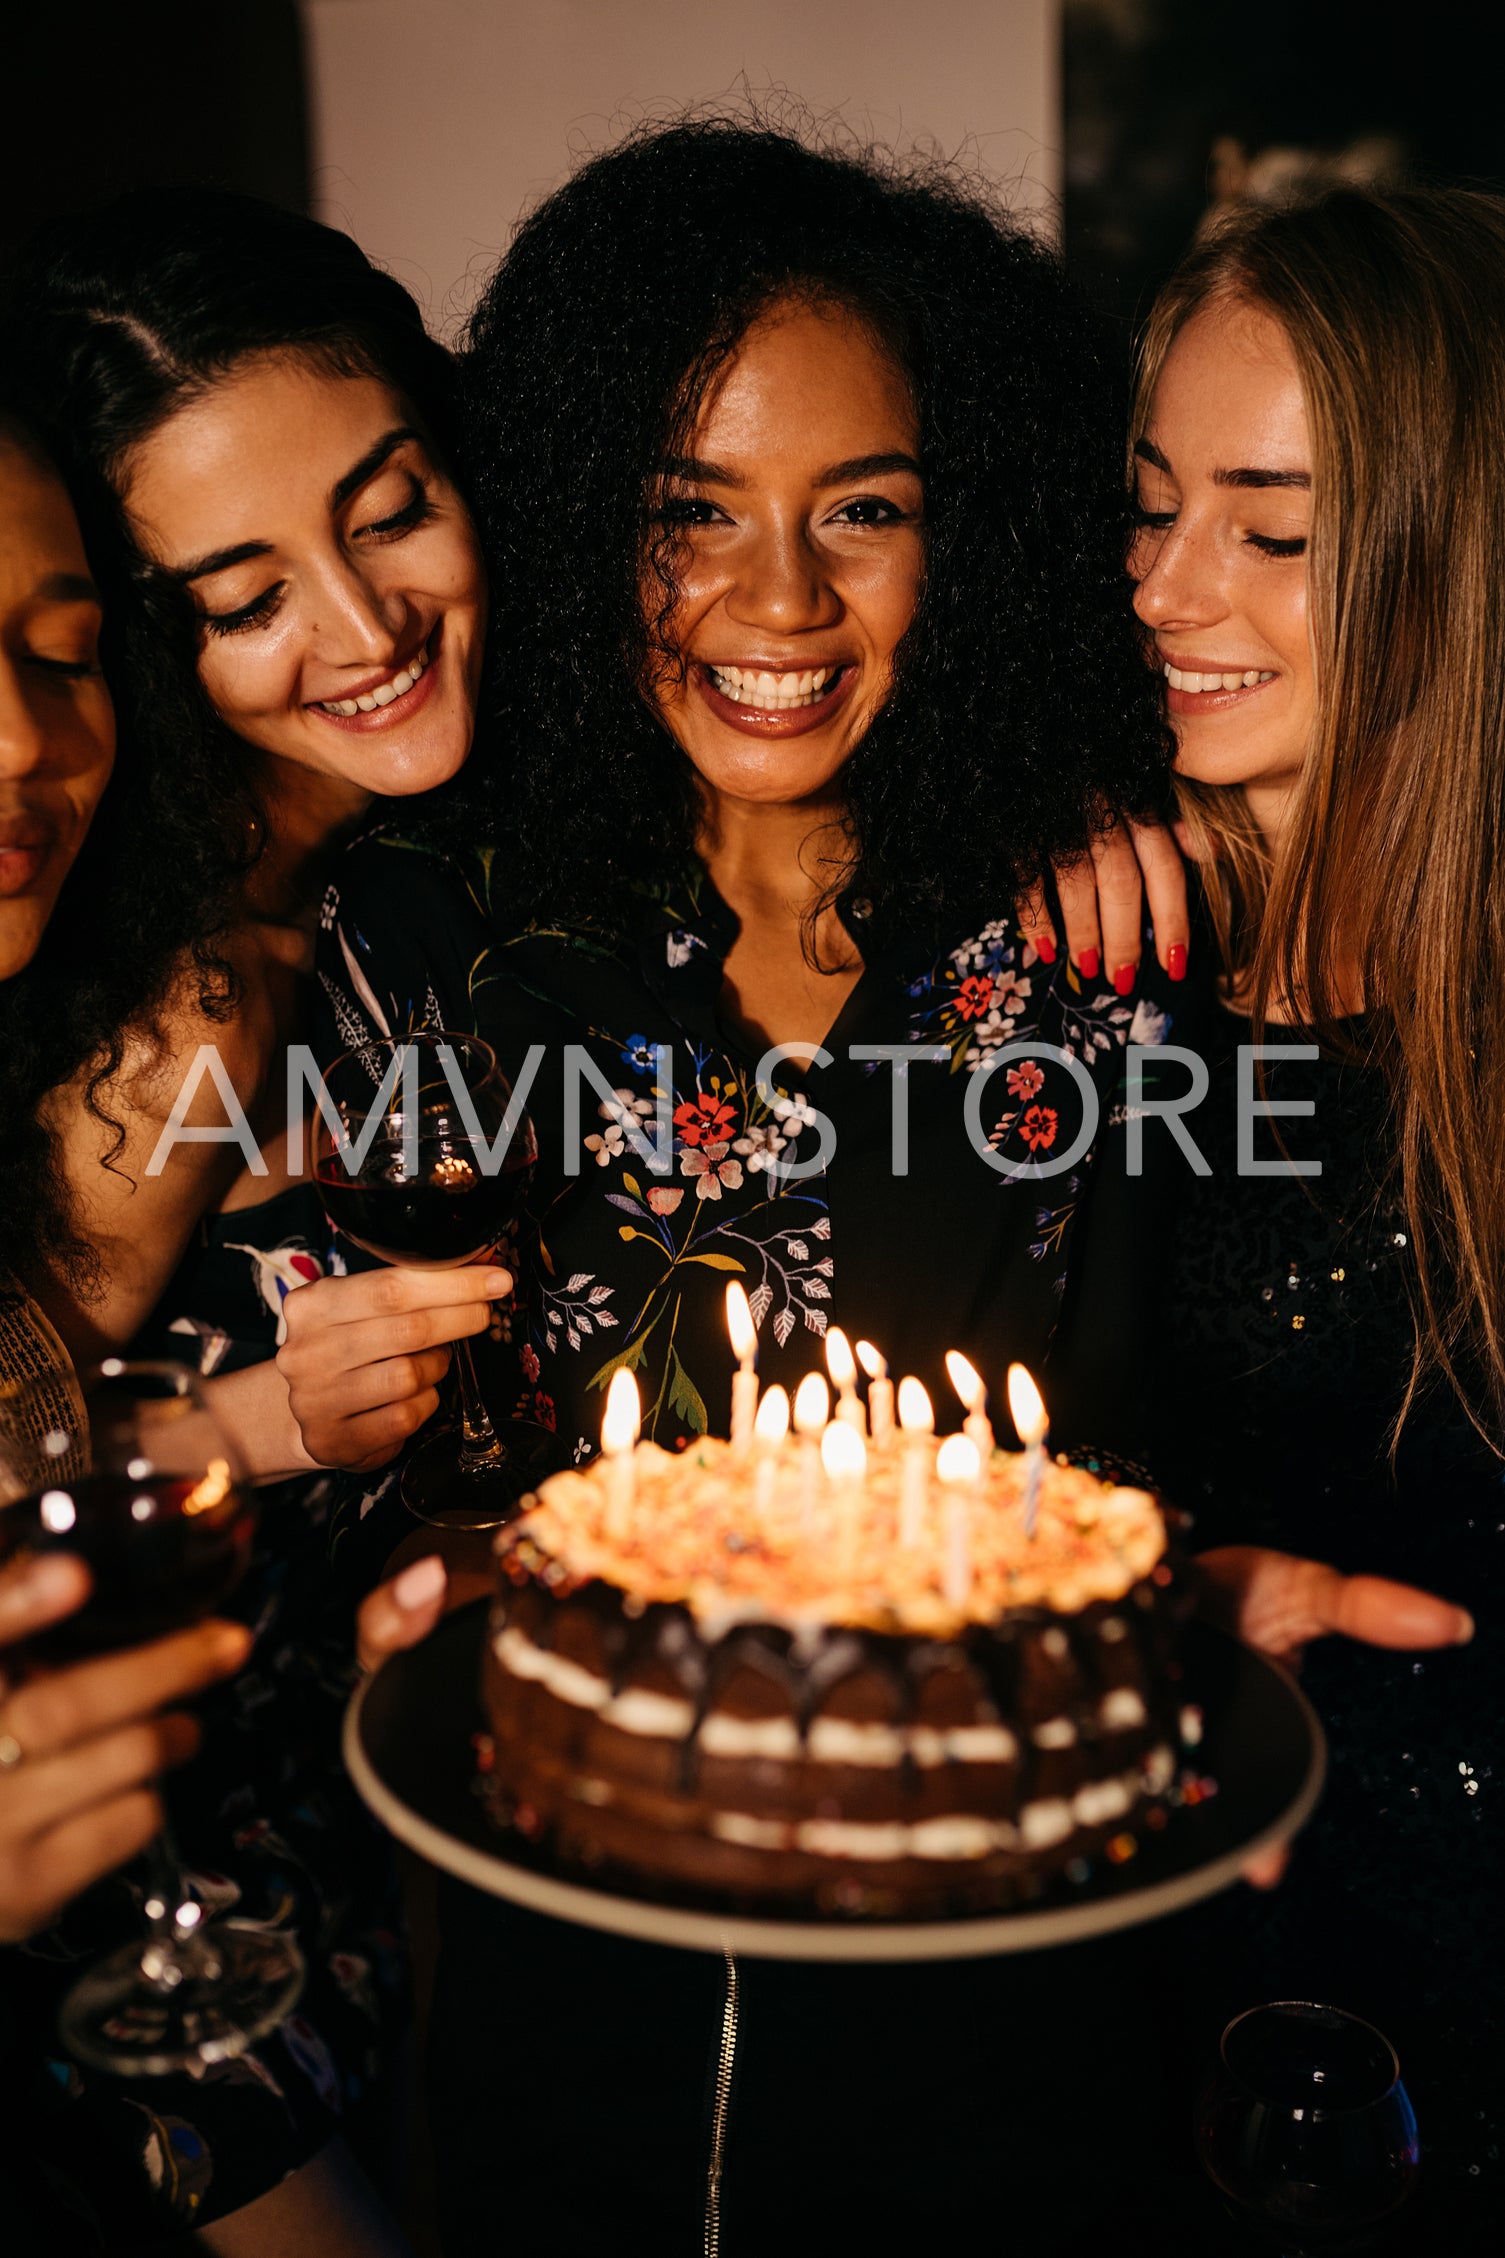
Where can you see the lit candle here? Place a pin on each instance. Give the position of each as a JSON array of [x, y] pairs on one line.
[[812, 1409], [842, 1366], [739, 1323], [620, 1424], [958, 1465], [880, 1394], [917, 1422], [769, 1429], [843, 1453], [1027, 1409], [968, 1384]]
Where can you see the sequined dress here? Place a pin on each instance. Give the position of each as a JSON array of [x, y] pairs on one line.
[[1285, 1344]]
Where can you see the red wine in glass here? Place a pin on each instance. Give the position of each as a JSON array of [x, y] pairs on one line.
[[421, 1156], [164, 1552], [134, 1475], [1306, 2131]]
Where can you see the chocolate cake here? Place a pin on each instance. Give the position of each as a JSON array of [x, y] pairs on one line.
[[749, 1685]]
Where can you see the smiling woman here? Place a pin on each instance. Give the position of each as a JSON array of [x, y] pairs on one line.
[[259, 430]]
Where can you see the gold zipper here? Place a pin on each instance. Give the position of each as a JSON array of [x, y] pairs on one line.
[[724, 2066]]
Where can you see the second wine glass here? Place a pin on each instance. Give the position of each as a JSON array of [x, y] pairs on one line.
[[1306, 2131], [422, 1156]]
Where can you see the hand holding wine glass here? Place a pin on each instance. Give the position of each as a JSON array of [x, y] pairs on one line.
[[422, 1158], [81, 1749], [127, 1503]]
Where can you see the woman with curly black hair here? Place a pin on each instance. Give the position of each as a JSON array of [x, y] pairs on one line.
[[800, 485]]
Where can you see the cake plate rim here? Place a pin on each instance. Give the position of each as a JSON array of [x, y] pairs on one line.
[[647, 1920]]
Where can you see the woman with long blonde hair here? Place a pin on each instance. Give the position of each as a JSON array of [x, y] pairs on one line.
[[1317, 458]]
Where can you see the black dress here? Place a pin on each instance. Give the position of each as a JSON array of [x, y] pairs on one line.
[[573, 2075], [1286, 1342]]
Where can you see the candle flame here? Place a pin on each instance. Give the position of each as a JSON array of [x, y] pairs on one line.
[[843, 1452], [1026, 1406], [915, 1413], [772, 1422], [812, 1404], [874, 1365], [623, 1416], [739, 1323], [966, 1380], [839, 1360], [957, 1460]]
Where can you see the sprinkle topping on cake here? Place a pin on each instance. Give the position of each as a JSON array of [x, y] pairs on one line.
[[736, 1538]]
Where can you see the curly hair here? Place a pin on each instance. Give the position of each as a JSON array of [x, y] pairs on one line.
[[1021, 706], [113, 321]]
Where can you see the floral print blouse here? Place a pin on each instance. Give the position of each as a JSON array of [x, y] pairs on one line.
[[854, 1191]]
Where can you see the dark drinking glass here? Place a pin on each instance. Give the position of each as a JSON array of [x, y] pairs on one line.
[[132, 1473], [422, 1157], [1305, 2129]]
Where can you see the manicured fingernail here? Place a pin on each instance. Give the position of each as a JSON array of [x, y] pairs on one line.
[[1087, 964], [1045, 948], [423, 1581], [497, 1282], [1464, 1627], [1123, 979], [1175, 960]]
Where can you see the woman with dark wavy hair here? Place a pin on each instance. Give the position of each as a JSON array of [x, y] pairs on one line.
[[260, 434], [799, 480]]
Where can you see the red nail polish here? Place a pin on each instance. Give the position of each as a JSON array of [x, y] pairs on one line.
[[1045, 948], [1087, 964], [1123, 979], [1175, 960]]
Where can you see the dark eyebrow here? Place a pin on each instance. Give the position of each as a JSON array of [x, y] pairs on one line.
[[370, 462], [1148, 452], [1301, 478], [695, 471], [868, 466], [220, 560], [66, 588]]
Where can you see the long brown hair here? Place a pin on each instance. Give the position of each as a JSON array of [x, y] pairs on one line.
[[1387, 883]]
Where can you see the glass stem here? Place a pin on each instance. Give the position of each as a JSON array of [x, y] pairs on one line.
[[480, 1448], [174, 1947]]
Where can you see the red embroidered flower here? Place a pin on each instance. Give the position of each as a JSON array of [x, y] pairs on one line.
[[972, 997], [1038, 1127], [543, 1411], [530, 1363], [706, 1120], [1024, 1081]]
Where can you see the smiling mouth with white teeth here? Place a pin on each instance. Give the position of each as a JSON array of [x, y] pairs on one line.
[[385, 693], [1179, 679], [774, 693]]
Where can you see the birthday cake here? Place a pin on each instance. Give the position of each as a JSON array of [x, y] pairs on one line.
[[737, 1680]]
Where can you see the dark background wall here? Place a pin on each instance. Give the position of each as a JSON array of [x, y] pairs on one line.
[[1161, 96], [102, 95]]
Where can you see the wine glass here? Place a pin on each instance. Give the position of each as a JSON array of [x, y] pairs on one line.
[[423, 1156], [1305, 2128], [134, 1475]]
